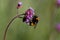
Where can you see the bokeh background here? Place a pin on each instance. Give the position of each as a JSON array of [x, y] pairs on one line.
[[20, 31]]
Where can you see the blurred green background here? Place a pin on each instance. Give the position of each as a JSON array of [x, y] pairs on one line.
[[19, 30]]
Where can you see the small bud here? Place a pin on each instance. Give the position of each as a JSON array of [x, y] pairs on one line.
[[19, 5]]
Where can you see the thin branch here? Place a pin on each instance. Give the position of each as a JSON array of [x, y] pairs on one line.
[[18, 16]]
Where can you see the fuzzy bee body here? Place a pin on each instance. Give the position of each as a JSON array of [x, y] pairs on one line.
[[32, 22]]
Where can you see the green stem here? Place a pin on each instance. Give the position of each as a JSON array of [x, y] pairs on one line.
[[53, 9], [18, 16]]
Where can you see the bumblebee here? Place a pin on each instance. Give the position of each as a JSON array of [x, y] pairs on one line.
[[32, 22]]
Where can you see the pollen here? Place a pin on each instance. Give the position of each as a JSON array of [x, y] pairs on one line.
[[32, 24], [38, 18]]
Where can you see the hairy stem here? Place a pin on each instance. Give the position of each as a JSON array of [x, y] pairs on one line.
[[18, 16]]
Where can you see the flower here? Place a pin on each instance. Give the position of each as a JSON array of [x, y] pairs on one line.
[[19, 5], [29, 14], [58, 27], [58, 3]]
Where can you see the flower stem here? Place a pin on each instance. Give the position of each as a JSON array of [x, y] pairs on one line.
[[53, 11], [18, 16]]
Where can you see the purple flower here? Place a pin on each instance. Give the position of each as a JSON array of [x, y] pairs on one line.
[[29, 14], [58, 27], [19, 5], [58, 3]]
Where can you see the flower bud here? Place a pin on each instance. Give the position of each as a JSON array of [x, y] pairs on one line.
[[19, 5]]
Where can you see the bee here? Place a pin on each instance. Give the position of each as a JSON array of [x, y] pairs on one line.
[[33, 22], [30, 18]]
